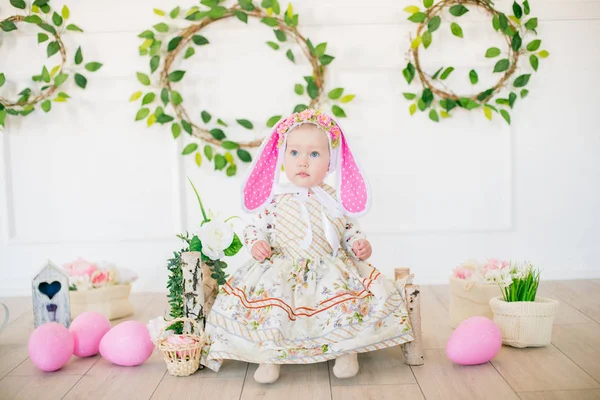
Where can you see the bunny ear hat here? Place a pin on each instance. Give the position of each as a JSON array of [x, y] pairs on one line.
[[353, 190]]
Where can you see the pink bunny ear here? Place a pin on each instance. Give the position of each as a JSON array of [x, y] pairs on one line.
[[259, 184], [354, 191]]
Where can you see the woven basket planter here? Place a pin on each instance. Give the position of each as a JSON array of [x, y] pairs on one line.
[[469, 299], [525, 323], [111, 301]]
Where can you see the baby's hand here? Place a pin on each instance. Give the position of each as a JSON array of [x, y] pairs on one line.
[[261, 250], [362, 249]]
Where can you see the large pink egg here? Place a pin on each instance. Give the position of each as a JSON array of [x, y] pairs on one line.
[[127, 344], [50, 346], [476, 340], [87, 331]]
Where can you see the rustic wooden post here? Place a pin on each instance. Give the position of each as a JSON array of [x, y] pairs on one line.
[[192, 291], [413, 351], [199, 288], [6, 316], [50, 294]]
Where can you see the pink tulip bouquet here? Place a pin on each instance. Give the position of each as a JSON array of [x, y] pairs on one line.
[[481, 272]]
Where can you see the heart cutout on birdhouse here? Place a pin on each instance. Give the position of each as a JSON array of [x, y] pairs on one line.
[[50, 289]]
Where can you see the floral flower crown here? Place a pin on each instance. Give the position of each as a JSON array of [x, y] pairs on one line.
[[315, 117]]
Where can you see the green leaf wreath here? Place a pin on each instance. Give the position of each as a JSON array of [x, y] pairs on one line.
[[162, 103], [48, 86], [517, 29]]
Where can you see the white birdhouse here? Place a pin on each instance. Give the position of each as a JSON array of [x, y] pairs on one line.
[[50, 293]]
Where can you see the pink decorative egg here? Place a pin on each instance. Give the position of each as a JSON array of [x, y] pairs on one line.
[[87, 331], [474, 341], [50, 346], [127, 344]]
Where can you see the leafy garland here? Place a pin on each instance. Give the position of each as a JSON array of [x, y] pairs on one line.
[[514, 31], [54, 24], [175, 287], [164, 43]]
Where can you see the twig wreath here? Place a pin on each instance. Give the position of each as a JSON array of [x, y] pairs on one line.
[[514, 32], [41, 14], [164, 43]]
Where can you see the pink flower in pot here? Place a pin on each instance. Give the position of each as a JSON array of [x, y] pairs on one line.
[[463, 273], [494, 263], [80, 267], [180, 340], [100, 278]]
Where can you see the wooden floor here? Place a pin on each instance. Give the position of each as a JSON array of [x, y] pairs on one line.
[[567, 369]]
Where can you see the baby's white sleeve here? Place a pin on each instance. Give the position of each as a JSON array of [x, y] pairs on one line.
[[260, 228], [352, 233]]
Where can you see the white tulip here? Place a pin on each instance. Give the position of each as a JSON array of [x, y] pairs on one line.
[[493, 275], [507, 281], [119, 276]]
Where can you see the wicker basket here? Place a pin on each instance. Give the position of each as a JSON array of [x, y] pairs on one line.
[[469, 299], [525, 323], [182, 359], [111, 301]]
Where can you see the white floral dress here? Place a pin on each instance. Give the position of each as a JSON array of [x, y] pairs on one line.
[[303, 305]]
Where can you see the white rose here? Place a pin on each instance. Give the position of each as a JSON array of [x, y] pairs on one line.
[[118, 275], [125, 275], [472, 264], [215, 236], [82, 282]]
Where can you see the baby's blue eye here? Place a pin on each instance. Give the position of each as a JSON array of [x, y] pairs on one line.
[[314, 154], [294, 153]]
